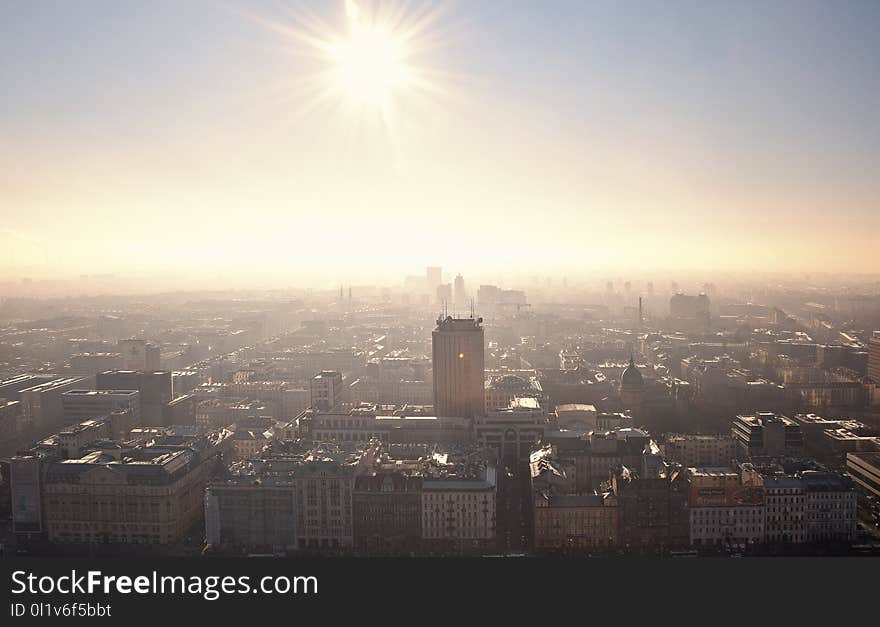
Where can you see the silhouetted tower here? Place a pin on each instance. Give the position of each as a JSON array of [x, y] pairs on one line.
[[459, 295], [459, 371]]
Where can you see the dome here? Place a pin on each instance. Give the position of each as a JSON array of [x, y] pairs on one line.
[[631, 377]]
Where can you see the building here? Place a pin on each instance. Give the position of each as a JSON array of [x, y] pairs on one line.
[[459, 294], [700, 450], [652, 507], [632, 387], [584, 418], [248, 442], [433, 278], [549, 474], [590, 459], [457, 354], [42, 411], [767, 434], [93, 363], [308, 491], [326, 390], [458, 506], [80, 404], [864, 469], [494, 300], [501, 389], [10, 388], [155, 390], [257, 514], [391, 424], [10, 416], [784, 502], [396, 379], [154, 499], [579, 417], [570, 522], [723, 510], [387, 513], [576, 386], [828, 440], [514, 431], [689, 313], [874, 357], [139, 355], [809, 505], [180, 411], [830, 507], [221, 412], [83, 486]]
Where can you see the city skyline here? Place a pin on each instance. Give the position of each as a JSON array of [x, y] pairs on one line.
[[362, 295], [233, 139]]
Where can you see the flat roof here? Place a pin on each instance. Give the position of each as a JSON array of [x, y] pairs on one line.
[[98, 392], [575, 407], [712, 471]]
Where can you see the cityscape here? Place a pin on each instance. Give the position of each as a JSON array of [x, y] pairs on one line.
[[315, 283], [616, 418]]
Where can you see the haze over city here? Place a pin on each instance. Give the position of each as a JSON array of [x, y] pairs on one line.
[[311, 143], [352, 295]]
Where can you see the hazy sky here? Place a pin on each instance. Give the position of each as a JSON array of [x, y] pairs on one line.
[[136, 136]]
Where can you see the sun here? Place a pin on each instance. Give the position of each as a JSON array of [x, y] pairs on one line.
[[370, 64], [372, 68]]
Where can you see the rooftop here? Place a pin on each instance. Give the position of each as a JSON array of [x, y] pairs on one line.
[[576, 407], [84, 392]]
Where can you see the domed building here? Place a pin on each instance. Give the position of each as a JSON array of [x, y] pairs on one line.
[[632, 387]]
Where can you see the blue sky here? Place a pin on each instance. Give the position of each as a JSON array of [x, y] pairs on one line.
[[714, 117]]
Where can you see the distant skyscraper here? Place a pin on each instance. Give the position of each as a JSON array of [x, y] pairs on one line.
[[457, 348], [459, 295], [433, 276]]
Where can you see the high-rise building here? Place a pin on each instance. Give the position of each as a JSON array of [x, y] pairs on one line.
[[457, 349], [459, 295], [433, 277]]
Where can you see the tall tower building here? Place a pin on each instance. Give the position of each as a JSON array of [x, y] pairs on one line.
[[433, 277], [459, 295], [457, 349]]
